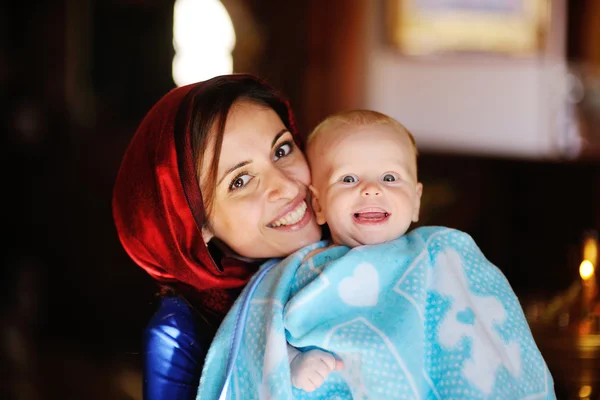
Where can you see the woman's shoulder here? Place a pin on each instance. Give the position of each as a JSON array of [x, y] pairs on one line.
[[177, 329], [176, 325], [173, 313], [175, 343]]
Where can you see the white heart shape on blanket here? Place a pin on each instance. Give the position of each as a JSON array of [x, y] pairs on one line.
[[362, 288]]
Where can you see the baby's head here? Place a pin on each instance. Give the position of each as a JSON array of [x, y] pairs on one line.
[[364, 177]]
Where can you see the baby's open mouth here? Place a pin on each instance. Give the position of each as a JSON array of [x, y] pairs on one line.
[[371, 216]]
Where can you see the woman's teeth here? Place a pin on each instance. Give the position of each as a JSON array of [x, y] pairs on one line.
[[292, 217]]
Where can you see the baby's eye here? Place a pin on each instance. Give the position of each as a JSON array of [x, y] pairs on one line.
[[350, 178], [283, 150], [389, 178], [239, 182]]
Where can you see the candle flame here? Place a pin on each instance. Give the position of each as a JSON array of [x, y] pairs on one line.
[[586, 270]]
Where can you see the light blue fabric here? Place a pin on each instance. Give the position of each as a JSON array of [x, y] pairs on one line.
[[425, 316]]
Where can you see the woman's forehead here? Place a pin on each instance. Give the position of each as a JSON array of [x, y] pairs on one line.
[[249, 121], [250, 131]]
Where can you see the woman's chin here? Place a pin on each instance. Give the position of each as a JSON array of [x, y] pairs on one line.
[[293, 240], [310, 234], [278, 242]]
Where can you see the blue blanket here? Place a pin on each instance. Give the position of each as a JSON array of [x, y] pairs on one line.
[[425, 316]]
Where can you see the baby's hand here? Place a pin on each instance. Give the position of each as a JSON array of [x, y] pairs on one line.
[[310, 369]]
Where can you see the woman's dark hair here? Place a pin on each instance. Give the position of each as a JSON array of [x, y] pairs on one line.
[[210, 106]]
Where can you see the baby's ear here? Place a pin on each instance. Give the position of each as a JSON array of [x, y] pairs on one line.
[[417, 205], [316, 205]]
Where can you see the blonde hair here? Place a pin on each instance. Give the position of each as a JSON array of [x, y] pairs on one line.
[[357, 118]]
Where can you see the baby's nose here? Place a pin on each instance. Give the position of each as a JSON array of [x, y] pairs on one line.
[[371, 190]]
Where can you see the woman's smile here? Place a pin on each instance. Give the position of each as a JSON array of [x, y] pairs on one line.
[[294, 220], [292, 214]]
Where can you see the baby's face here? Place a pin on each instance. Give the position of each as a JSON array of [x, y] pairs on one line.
[[365, 179]]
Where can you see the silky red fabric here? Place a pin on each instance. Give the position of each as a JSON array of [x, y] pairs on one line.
[[157, 205]]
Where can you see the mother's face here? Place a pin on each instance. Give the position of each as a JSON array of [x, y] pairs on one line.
[[260, 207]]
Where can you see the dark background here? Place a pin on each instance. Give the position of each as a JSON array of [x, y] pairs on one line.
[[77, 77]]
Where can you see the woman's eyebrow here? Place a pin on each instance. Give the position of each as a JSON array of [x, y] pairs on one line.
[[230, 170], [244, 163], [278, 135]]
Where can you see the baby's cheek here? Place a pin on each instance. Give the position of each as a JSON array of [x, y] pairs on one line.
[[340, 226], [333, 217]]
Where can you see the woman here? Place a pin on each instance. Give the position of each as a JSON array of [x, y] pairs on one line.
[[213, 182]]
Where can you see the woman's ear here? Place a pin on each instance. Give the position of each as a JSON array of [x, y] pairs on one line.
[[207, 234], [417, 205], [316, 205]]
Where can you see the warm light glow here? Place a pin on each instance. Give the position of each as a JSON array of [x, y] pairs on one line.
[[590, 250], [585, 391], [203, 38], [586, 270]]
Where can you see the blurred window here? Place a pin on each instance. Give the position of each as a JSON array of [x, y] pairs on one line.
[[203, 38]]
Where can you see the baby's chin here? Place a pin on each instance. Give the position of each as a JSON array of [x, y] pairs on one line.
[[378, 239], [368, 237]]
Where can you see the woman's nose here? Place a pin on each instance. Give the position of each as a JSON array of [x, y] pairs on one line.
[[370, 189], [282, 186]]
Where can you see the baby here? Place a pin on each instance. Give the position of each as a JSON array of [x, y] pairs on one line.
[[422, 314], [365, 187]]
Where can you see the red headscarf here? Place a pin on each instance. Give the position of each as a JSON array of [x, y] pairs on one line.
[[157, 204]]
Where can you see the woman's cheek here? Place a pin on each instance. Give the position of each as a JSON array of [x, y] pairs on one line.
[[299, 169], [305, 175]]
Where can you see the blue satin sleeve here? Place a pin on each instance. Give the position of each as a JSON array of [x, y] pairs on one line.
[[175, 344]]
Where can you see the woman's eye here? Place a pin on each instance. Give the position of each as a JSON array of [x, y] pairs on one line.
[[239, 181], [283, 150], [389, 178], [350, 179]]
